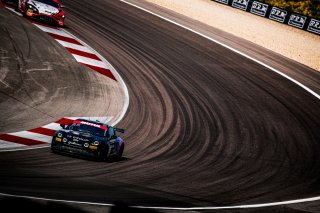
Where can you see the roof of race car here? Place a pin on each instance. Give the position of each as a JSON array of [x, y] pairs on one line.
[[94, 123], [48, 2]]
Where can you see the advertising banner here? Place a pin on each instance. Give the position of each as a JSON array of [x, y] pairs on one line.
[[278, 14], [297, 21], [223, 1], [314, 26], [240, 4], [259, 8]]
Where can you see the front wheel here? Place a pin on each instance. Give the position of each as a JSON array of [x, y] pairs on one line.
[[52, 146], [16, 6], [103, 153]]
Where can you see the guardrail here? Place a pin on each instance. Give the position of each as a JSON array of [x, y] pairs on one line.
[[276, 14]]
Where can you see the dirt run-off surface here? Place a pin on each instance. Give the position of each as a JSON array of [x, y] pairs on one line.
[[293, 43]]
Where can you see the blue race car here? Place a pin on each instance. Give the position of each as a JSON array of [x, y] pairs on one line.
[[89, 138]]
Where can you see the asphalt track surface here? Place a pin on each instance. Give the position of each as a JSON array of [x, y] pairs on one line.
[[205, 126]]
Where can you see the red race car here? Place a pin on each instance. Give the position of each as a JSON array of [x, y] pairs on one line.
[[49, 11]]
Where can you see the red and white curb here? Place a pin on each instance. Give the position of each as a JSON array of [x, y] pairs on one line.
[[79, 50], [82, 52], [85, 55], [38, 136]]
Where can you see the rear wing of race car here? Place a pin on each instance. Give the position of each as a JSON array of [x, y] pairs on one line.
[[119, 130]]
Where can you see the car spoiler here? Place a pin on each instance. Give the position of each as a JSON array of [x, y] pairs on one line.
[[119, 130]]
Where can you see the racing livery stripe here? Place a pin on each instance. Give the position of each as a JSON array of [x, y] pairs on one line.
[[63, 38], [84, 54], [20, 140], [43, 131], [102, 71]]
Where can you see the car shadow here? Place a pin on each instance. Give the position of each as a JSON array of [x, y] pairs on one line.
[[76, 156]]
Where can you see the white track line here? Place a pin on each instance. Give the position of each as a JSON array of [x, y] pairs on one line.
[[55, 200], [25, 148], [13, 10], [228, 47], [174, 208]]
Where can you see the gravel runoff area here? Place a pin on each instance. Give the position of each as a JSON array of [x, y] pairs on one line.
[[293, 43]]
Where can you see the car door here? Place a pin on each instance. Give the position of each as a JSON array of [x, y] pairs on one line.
[[112, 141]]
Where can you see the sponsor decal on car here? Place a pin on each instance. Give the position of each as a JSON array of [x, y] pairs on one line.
[[76, 139], [74, 143], [91, 124]]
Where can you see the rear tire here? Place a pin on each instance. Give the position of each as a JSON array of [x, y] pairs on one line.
[[119, 155]]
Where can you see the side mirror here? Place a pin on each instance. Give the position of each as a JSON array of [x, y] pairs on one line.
[[119, 130], [63, 126], [62, 6]]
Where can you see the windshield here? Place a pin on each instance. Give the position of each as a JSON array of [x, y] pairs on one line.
[[49, 2], [86, 128]]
